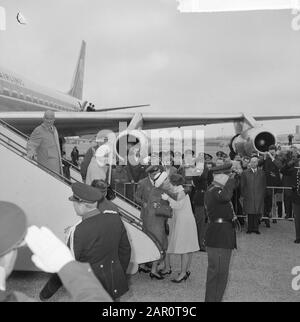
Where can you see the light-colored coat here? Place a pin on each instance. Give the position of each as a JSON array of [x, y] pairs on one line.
[[183, 237], [253, 186], [44, 143]]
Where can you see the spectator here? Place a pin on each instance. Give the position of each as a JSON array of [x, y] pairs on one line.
[[271, 167], [100, 239], [253, 187], [296, 199], [168, 162], [75, 156], [44, 144], [49, 255], [287, 181]]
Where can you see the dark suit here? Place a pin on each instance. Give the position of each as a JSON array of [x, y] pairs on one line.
[[100, 239], [220, 239], [253, 187]]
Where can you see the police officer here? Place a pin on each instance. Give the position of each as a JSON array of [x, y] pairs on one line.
[[99, 239], [49, 255], [220, 235]]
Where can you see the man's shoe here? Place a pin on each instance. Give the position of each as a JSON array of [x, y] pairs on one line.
[[248, 232], [257, 232], [274, 221], [297, 241], [268, 224], [45, 294]]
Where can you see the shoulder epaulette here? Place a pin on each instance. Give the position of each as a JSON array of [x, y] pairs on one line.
[[110, 212]]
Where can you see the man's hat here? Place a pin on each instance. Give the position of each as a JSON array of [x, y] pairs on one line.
[[154, 168], [160, 178], [13, 226], [224, 168], [220, 153], [85, 193], [101, 185], [208, 156]]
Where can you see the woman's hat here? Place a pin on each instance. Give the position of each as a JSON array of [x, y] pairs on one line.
[[160, 178], [13, 226]]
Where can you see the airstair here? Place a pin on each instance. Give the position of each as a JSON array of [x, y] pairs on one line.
[[43, 195]]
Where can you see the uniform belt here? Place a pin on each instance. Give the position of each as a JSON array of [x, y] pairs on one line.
[[222, 221]]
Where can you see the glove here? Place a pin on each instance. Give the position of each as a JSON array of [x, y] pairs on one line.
[[49, 253], [164, 196]]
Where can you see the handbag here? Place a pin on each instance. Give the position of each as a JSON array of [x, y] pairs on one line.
[[162, 210]]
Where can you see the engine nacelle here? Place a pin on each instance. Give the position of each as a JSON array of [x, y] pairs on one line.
[[253, 140], [129, 140]]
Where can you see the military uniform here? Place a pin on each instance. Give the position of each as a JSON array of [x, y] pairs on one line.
[[220, 238], [101, 240]]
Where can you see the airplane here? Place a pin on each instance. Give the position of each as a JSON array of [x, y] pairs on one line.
[[22, 104]]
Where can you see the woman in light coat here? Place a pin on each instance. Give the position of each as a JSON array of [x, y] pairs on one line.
[[183, 239], [98, 169]]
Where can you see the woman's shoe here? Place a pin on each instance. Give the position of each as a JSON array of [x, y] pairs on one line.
[[188, 273], [184, 278], [144, 270], [165, 273], [158, 276]]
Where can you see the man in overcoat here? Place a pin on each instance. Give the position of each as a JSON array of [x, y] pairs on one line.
[[253, 187], [44, 144]]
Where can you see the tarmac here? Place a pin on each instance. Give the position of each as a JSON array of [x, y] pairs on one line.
[[260, 272]]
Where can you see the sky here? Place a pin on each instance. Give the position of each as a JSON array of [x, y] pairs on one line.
[[141, 51]]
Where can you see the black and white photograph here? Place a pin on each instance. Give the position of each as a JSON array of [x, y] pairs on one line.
[[150, 153]]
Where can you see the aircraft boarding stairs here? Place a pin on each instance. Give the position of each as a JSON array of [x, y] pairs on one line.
[[43, 195]]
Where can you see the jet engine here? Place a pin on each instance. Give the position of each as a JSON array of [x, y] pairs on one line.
[[253, 140], [129, 141]]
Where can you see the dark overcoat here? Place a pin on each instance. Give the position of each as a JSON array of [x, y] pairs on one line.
[[253, 188]]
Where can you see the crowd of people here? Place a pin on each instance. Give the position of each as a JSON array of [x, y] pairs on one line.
[[185, 212]]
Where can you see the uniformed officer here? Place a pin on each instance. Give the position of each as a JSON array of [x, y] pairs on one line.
[[49, 255], [99, 239], [220, 235]]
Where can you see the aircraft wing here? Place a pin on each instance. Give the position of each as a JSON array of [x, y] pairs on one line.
[[83, 123]]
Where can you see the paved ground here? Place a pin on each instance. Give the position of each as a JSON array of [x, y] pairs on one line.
[[260, 271]]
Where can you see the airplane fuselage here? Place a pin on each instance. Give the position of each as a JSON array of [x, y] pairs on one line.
[[20, 94]]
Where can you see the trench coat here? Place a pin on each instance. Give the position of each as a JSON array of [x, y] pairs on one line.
[[142, 194], [44, 143], [253, 188]]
